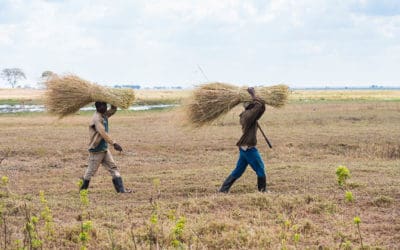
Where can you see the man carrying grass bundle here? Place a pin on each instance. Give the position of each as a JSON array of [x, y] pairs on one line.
[[248, 153], [98, 148]]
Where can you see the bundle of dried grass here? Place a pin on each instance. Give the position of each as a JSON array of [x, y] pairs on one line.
[[212, 100], [67, 94]]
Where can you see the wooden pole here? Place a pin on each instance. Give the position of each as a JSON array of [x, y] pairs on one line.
[[262, 132]]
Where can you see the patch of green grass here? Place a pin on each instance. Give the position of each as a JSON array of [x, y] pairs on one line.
[[20, 102]]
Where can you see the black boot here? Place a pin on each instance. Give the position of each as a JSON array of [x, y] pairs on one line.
[[227, 184], [85, 184], [262, 184], [119, 185]]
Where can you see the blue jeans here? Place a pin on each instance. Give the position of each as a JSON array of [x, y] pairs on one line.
[[249, 157]]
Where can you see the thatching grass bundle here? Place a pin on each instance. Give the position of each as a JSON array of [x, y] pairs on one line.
[[210, 101], [65, 95]]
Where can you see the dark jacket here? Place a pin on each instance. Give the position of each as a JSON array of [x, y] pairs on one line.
[[248, 120]]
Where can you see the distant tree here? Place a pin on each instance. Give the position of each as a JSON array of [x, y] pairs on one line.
[[46, 74], [12, 75], [45, 77]]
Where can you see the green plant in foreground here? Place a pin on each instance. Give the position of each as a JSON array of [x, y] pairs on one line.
[[289, 232], [84, 236], [342, 174], [155, 227], [18, 245], [347, 245], [4, 226], [357, 222], [47, 216], [349, 196], [79, 183], [344, 243], [30, 230], [5, 232], [87, 225], [4, 180], [283, 244], [4, 186], [177, 232], [83, 194], [296, 238]]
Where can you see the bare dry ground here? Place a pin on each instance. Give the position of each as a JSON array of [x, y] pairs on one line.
[[175, 172], [21, 94]]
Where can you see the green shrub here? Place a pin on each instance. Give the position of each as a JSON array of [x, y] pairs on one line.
[[342, 174], [349, 196]]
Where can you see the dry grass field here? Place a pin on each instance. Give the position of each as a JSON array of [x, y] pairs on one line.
[[175, 172], [21, 94], [345, 95]]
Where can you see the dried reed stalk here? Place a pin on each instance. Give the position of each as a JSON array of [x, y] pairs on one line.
[[67, 94], [210, 101]]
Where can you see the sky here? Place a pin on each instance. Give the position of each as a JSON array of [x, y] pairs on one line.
[[302, 43]]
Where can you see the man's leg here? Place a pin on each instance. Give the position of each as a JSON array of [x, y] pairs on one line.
[[94, 162], [109, 164], [236, 173], [257, 165]]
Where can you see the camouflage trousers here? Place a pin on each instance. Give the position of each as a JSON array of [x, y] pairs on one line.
[[104, 158]]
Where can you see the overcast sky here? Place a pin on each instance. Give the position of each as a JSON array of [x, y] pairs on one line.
[[298, 42]]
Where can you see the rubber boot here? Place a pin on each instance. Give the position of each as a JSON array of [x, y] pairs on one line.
[[262, 184], [119, 185], [85, 184], [227, 184]]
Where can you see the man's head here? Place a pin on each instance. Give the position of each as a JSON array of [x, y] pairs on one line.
[[101, 107]]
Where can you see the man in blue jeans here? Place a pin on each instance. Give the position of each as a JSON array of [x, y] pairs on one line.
[[248, 153]]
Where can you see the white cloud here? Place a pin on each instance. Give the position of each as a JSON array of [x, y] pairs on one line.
[[155, 42], [194, 11], [6, 35]]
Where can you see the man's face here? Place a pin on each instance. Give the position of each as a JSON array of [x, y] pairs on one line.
[[102, 108]]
